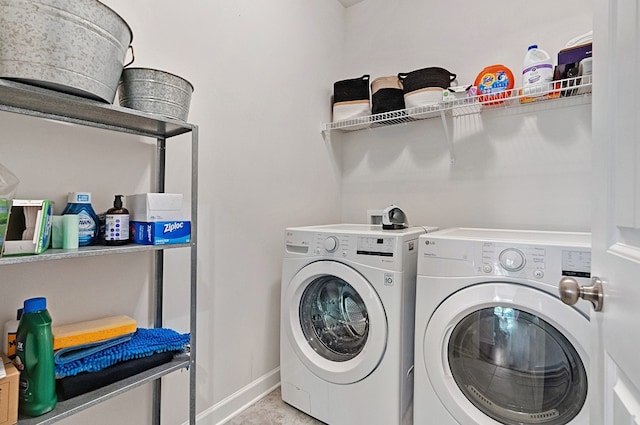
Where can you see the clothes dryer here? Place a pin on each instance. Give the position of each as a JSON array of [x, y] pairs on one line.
[[347, 314], [494, 342]]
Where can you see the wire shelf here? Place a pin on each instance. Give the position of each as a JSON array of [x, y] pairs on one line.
[[516, 97]]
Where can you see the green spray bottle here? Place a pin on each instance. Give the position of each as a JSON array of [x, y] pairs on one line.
[[34, 358]]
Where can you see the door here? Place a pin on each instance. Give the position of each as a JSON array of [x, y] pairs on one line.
[[616, 226], [336, 323]]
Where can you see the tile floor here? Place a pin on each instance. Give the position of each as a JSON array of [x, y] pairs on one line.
[[271, 410]]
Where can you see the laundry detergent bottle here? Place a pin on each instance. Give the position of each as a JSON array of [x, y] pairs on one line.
[[34, 359], [537, 71], [79, 203]]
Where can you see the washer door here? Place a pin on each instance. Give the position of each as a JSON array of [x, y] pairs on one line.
[[336, 322], [500, 353]]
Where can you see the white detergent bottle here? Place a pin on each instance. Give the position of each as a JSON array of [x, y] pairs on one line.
[[537, 72], [9, 336]]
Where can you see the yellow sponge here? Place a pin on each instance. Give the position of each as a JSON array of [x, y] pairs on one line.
[[91, 331]]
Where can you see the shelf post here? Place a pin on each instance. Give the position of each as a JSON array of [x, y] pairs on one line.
[[158, 289], [194, 275]]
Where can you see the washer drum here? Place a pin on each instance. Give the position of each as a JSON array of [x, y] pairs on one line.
[[73, 46]]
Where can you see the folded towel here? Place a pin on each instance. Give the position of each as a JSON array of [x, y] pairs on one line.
[[70, 354], [84, 382], [143, 343]]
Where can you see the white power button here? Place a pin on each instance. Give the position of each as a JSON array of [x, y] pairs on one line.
[[331, 244], [512, 260]]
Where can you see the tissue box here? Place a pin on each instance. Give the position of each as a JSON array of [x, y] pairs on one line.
[[155, 207], [28, 228], [8, 392], [160, 233]]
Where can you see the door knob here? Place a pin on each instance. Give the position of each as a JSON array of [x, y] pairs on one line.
[[571, 291]]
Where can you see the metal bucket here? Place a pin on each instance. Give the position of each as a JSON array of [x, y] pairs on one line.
[[73, 46], [158, 92]]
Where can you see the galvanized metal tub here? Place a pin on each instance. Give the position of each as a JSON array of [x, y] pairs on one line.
[[155, 91], [73, 46]]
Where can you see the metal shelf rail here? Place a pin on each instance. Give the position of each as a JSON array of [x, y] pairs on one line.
[[559, 93]]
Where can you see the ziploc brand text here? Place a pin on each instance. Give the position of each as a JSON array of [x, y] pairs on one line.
[[161, 233], [171, 227]]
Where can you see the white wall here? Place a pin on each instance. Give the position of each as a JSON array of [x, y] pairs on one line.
[[513, 169], [262, 73]]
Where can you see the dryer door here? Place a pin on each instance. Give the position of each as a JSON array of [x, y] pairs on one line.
[[504, 353], [336, 322]]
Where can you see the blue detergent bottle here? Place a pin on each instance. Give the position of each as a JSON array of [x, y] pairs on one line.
[[79, 203]]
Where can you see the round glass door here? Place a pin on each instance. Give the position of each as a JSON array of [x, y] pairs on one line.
[[506, 353], [517, 368], [334, 319]]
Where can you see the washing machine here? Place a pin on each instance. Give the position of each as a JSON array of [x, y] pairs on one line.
[[347, 314], [494, 342]]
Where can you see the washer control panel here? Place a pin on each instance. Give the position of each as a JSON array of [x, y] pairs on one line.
[[380, 246], [361, 244], [334, 245], [342, 245]]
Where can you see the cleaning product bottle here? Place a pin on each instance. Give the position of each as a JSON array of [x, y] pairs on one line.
[[88, 222], [34, 358], [116, 229], [9, 336], [537, 72]]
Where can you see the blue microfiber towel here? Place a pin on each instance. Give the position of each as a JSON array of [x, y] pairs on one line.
[[143, 343], [77, 352]]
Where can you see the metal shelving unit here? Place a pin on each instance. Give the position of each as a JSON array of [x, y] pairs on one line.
[[43, 103], [557, 94]]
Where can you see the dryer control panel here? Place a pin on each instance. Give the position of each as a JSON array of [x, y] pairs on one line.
[[510, 258], [534, 260], [546, 260]]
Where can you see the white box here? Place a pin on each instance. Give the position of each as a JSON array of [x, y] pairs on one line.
[[155, 207]]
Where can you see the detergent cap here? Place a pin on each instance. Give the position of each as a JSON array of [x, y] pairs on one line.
[[34, 304]]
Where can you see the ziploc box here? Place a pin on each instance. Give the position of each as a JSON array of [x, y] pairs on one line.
[[160, 232], [155, 207], [9, 377], [28, 227]]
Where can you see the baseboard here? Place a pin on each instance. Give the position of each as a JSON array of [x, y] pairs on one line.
[[232, 405]]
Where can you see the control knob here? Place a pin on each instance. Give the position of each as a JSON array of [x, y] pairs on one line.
[[331, 244], [512, 260]]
